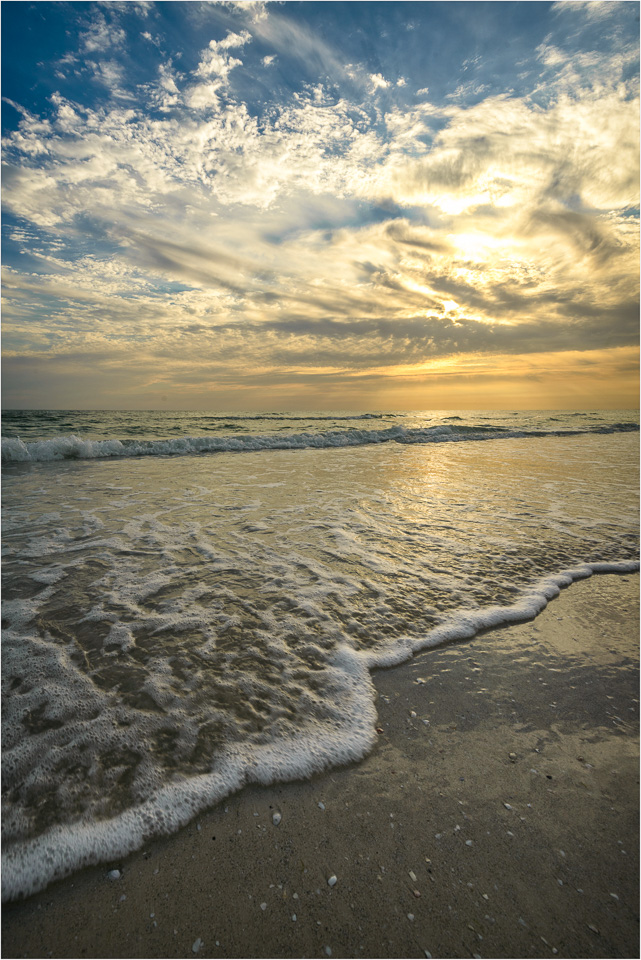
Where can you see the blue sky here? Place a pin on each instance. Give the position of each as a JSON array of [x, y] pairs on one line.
[[320, 205]]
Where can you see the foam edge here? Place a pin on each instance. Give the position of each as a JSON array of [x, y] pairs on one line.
[[31, 867]]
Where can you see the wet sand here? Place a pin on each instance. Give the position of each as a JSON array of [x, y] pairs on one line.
[[498, 816]]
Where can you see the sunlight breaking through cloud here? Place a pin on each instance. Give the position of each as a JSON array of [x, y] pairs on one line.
[[265, 200]]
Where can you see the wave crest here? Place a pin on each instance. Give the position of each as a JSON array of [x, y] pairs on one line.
[[71, 447]]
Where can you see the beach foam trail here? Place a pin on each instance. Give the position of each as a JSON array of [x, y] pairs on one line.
[[171, 634]]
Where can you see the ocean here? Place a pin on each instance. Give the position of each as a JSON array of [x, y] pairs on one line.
[[193, 602]]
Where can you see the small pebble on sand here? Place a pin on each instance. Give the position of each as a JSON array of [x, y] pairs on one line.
[[263, 906], [114, 874], [276, 818], [332, 881], [196, 945]]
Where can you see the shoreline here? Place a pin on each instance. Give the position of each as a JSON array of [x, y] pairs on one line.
[[88, 848], [509, 762]]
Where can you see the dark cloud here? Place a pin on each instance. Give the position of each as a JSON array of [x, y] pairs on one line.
[[588, 235]]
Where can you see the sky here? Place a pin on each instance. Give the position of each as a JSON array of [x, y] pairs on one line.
[[356, 206]]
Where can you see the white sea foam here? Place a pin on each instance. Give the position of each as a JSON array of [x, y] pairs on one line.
[[62, 850]]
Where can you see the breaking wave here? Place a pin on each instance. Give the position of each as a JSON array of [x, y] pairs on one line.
[[71, 447]]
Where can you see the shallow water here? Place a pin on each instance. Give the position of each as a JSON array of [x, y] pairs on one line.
[[175, 627]]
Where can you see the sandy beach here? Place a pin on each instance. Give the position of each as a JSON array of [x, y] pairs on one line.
[[496, 817]]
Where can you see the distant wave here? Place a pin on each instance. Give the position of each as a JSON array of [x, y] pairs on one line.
[[54, 415], [71, 447]]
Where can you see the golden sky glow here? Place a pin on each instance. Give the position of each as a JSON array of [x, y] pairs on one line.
[[274, 210]]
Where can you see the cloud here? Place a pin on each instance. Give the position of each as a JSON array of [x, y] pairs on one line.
[[216, 61], [592, 9], [141, 8], [101, 35], [297, 40], [505, 149], [110, 73], [551, 56], [377, 82], [255, 10]]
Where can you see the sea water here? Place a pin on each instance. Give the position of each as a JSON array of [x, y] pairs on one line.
[[193, 602]]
